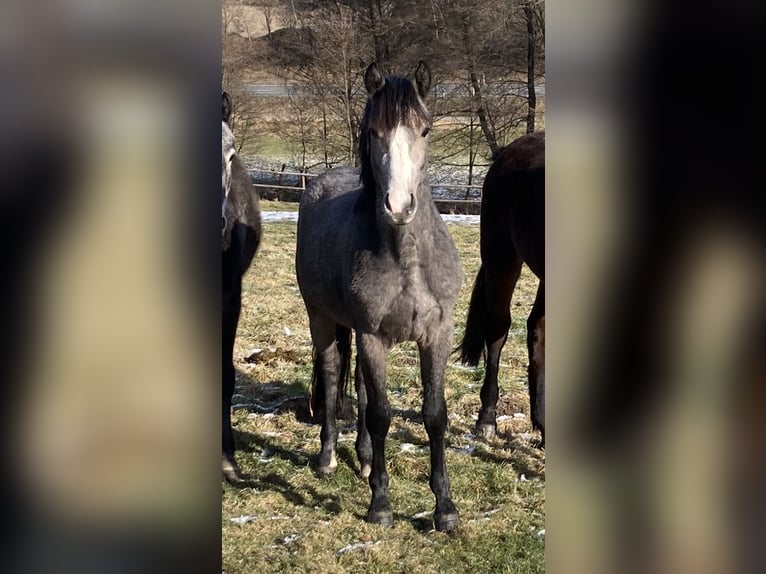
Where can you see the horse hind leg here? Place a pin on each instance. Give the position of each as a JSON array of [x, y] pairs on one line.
[[326, 372], [363, 443], [536, 350], [499, 290]]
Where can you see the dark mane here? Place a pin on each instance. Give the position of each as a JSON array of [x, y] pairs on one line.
[[396, 103]]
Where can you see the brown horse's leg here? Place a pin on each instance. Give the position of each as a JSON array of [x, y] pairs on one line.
[[327, 370], [536, 349], [433, 359], [371, 354], [500, 285]]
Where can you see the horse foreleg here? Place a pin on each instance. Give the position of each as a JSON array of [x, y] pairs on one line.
[[371, 354], [231, 307], [536, 349], [433, 360]]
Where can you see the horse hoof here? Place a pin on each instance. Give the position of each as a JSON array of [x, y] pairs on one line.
[[364, 472], [446, 522], [231, 472], [382, 517], [486, 430]]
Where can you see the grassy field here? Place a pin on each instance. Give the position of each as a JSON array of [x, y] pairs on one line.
[[285, 519], [279, 206]]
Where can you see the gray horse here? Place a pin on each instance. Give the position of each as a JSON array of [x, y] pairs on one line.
[[240, 237], [374, 255]]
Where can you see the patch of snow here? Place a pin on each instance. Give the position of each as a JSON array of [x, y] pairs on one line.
[[274, 216], [243, 519], [289, 539], [357, 546], [464, 449]]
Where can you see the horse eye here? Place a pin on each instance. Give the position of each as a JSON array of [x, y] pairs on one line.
[[426, 132]]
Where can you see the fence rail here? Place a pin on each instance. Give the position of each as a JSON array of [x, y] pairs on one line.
[[278, 175]]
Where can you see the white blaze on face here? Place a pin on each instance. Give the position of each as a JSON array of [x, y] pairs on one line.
[[405, 159]]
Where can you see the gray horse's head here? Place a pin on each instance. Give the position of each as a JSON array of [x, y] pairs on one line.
[[394, 141], [228, 152]]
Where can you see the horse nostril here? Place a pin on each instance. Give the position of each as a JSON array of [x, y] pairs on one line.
[[411, 207], [388, 205]]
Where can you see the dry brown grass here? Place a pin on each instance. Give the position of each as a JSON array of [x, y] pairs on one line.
[[300, 523]]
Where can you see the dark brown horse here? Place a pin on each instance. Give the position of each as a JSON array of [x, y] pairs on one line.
[[240, 237], [375, 256], [512, 233]]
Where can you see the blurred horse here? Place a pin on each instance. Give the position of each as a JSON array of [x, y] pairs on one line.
[[241, 235]]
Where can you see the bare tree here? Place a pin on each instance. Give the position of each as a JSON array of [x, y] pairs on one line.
[[529, 17], [487, 58], [328, 69]]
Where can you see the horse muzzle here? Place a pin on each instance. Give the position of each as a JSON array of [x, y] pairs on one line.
[[400, 208]]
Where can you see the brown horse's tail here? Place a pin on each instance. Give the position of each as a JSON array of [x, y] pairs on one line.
[[472, 345], [343, 408]]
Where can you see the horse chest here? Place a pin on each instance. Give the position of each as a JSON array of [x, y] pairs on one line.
[[397, 299], [411, 314]]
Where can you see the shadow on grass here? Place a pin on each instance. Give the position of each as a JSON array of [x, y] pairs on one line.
[[286, 397], [347, 456], [422, 524], [405, 435], [409, 415], [519, 461], [305, 496], [274, 397]]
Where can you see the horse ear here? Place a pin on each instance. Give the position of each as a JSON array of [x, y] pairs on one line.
[[226, 107], [423, 78], [373, 79]]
